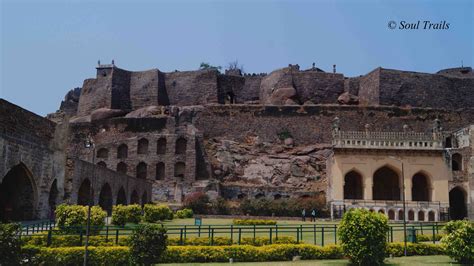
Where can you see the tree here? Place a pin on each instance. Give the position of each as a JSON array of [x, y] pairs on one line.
[[234, 65], [207, 66], [147, 243], [10, 244], [459, 241]]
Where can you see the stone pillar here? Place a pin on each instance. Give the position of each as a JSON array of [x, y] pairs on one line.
[[368, 183], [408, 196]]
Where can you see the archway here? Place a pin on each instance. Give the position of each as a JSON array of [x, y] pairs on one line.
[[401, 215], [179, 169], [421, 216], [53, 198], [160, 171], [421, 187], [144, 198], [142, 146], [457, 203], [353, 186], [161, 146], [103, 153], [411, 215], [181, 146], [142, 170], [85, 193], [431, 216], [121, 197], [386, 184], [122, 151], [456, 162], [17, 195], [391, 214], [134, 198], [105, 198]]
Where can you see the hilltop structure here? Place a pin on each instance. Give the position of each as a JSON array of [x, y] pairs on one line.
[[159, 136]]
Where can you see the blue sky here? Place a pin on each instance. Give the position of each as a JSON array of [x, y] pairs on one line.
[[49, 47]]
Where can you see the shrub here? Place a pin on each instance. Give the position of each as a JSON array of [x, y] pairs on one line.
[[219, 206], [414, 249], [425, 238], [459, 241], [153, 213], [184, 213], [122, 214], [10, 244], [73, 218], [363, 234], [253, 222], [147, 243], [74, 240], [198, 202], [263, 241], [226, 241]]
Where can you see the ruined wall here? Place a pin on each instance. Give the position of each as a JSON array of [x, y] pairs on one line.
[[369, 86], [192, 87], [96, 93], [229, 88], [251, 89], [120, 89], [144, 88]]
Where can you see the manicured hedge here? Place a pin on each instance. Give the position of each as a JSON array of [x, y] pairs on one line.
[[153, 213], [253, 222], [415, 249], [226, 241], [184, 213], [122, 214], [426, 238]]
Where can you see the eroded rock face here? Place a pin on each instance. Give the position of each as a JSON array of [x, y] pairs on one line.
[[347, 98], [105, 113], [269, 166], [149, 111]]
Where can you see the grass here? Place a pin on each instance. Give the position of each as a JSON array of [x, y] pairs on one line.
[[412, 261]]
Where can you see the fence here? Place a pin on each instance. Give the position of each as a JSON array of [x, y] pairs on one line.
[[317, 234]]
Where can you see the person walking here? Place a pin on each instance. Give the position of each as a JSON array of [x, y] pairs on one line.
[[303, 215], [313, 215]]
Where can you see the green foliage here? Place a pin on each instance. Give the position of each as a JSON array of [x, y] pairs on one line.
[[425, 238], [153, 213], [263, 241], [198, 202], [284, 207], [147, 243], [414, 249], [126, 214], [459, 241], [74, 240], [208, 66], [253, 222], [363, 234], [279, 252], [73, 218], [184, 213], [10, 244]]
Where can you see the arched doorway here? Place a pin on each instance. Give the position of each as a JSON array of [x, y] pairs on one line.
[[85, 193], [391, 214], [431, 216], [457, 204], [401, 215], [134, 198], [144, 198], [421, 188], [105, 198], [353, 186], [17, 195], [421, 216], [121, 197], [411, 215], [386, 184], [53, 198]]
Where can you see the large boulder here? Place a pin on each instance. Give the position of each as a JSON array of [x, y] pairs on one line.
[[105, 113], [348, 99]]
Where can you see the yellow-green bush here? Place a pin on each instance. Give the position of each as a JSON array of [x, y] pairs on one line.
[[122, 214], [459, 241], [262, 241], [153, 213], [429, 237], [253, 222], [184, 213], [226, 241], [41, 240], [73, 218], [414, 249]]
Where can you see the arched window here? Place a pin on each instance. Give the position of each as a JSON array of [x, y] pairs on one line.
[[122, 168], [53, 196], [161, 146], [420, 189], [456, 162], [386, 184], [142, 170], [353, 186], [391, 214], [142, 146], [421, 216], [181, 146], [411, 215], [457, 203], [103, 153], [160, 171], [431, 216], [122, 151], [400, 215], [102, 164], [179, 170]]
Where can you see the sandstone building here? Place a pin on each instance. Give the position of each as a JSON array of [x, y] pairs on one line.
[[290, 133]]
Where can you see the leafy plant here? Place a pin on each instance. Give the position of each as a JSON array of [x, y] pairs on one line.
[[153, 213], [73, 218], [198, 202], [10, 244], [147, 243], [208, 66], [363, 234], [184, 213], [459, 241]]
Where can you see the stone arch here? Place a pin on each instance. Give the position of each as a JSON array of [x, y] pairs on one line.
[[457, 203], [142, 169], [179, 170], [122, 167], [122, 151], [105, 198], [142, 147], [53, 198], [386, 184], [411, 215], [421, 216], [353, 188], [421, 187], [161, 146], [102, 164], [103, 153], [18, 195], [160, 171], [456, 162], [144, 198], [121, 197], [181, 144], [431, 216], [134, 199], [401, 214], [85, 193], [391, 214]]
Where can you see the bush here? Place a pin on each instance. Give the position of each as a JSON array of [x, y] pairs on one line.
[[73, 240], [147, 243], [73, 218], [126, 214], [198, 202], [153, 213], [459, 241], [414, 249], [363, 234], [10, 243], [263, 241], [226, 241], [219, 206], [184, 213], [253, 222], [426, 238]]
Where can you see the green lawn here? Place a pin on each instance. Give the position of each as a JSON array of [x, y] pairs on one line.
[[412, 261]]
